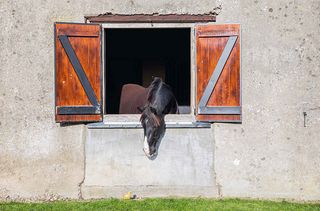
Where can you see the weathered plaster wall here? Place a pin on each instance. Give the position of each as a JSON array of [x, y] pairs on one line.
[[271, 154]]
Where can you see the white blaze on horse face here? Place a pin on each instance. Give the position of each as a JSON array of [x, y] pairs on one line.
[[146, 146], [145, 143]]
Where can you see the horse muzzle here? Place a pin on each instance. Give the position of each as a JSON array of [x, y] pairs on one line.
[[150, 156], [146, 149]]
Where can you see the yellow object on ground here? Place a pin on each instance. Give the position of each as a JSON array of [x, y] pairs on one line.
[[128, 195]]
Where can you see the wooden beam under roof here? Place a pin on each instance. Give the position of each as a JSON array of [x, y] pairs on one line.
[[151, 18]]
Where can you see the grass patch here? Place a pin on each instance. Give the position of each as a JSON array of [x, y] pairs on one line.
[[162, 204]]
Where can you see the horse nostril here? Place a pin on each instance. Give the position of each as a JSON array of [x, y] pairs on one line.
[[152, 150]]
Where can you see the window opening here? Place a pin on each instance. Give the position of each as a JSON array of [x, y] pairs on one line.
[[135, 55]]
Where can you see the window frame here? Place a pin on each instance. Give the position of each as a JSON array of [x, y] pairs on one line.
[[130, 120]]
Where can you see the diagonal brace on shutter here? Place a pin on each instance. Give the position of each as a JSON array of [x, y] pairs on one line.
[[79, 70], [203, 109]]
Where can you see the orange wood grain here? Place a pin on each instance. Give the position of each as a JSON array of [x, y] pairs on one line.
[[76, 29], [218, 30], [211, 40], [219, 117], [79, 118], [85, 40]]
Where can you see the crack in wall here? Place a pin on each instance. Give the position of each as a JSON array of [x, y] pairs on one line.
[[219, 186], [84, 137]]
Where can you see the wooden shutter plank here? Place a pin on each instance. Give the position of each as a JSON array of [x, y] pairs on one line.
[[218, 30], [211, 41], [215, 76], [78, 118], [219, 118], [85, 41], [78, 29], [81, 75]]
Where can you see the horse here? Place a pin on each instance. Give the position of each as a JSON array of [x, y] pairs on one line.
[[133, 97], [160, 102]]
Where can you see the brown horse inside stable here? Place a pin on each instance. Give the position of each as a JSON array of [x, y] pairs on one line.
[[154, 103]]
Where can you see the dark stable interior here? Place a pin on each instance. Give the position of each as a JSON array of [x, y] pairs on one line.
[[135, 55]]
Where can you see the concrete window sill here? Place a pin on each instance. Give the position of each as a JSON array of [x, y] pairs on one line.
[[132, 121]]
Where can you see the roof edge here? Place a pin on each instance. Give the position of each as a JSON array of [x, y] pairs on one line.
[[110, 17]]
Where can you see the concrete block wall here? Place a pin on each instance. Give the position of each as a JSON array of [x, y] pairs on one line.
[[272, 154], [116, 164]]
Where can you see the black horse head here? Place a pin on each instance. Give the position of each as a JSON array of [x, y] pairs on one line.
[[154, 129], [161, 101]]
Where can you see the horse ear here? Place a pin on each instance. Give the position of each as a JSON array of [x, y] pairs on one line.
[[153, 110]]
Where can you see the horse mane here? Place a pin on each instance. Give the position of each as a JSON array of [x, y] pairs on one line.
[[152, 117], [153, 88]]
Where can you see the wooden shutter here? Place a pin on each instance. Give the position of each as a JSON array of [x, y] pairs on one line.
[[77, 72], [218, 73]]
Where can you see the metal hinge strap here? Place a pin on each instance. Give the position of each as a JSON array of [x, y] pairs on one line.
[[73, 110]]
